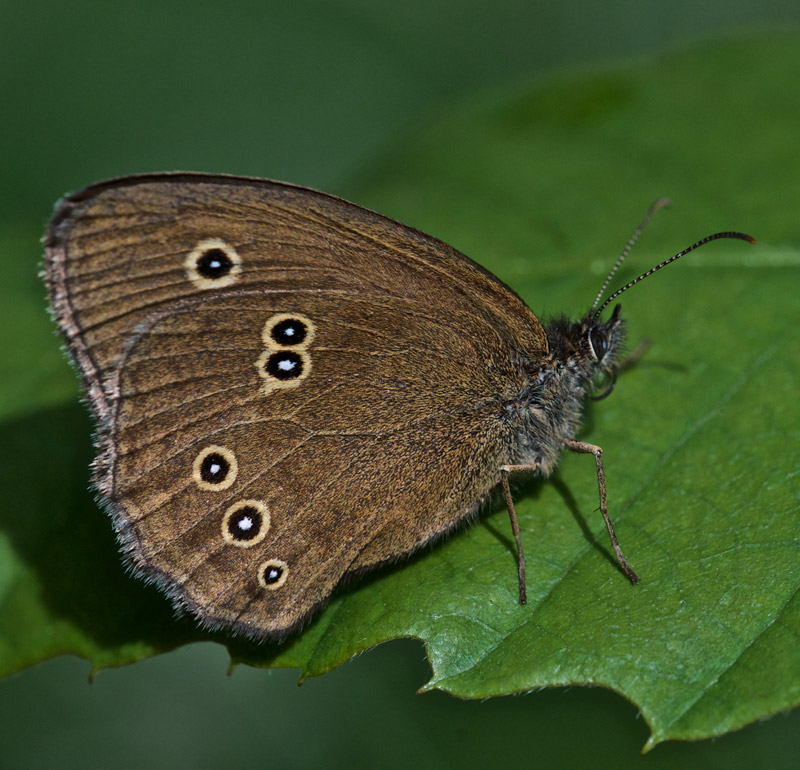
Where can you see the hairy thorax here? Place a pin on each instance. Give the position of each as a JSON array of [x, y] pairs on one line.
[[548, 409]]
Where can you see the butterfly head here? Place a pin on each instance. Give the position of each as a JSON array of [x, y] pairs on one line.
[[584, 354], [591, 347], [602, 342]]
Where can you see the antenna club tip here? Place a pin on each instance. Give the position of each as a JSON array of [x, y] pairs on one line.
[[727, 234]]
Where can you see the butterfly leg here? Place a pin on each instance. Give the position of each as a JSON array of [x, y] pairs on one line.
[[512, 514], [586, 448], [636, 354]]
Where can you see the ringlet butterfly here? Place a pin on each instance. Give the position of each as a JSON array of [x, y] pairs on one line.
[[290, 389]]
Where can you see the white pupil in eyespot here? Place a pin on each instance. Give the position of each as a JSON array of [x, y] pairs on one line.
[[215, 469], [289, 331], [214, 264], [286, 365], [245, 523]]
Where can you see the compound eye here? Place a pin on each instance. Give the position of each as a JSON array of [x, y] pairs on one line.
[[599, 343]]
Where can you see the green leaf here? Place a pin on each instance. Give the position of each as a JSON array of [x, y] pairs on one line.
[[699, 437]]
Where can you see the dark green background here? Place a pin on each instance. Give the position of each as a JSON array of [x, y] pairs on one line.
[[313, 93]]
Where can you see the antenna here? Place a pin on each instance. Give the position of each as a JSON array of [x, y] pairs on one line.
[[659, 204], [702, 242]]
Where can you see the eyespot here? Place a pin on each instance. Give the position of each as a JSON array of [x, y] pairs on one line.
[[283, 368], [288, 330], [213, 264], [284, 365], [598, 342], [245, 523], [285, 361], [272, 574], [215, 468]]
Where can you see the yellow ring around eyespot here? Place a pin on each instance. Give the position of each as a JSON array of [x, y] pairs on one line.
[[278, 564], [233, 468], [200, 281], [235, 508], [273, 383], [272, 321]]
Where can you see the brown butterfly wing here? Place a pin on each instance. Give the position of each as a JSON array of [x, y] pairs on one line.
[[391, 433]]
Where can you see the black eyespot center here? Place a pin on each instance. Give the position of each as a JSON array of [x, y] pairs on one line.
[[272, 574], [285, 365], [214, 468], [289, 331], [245, 523], [213, 263]]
